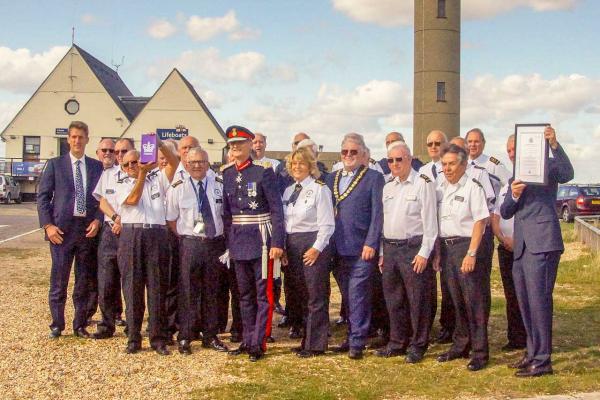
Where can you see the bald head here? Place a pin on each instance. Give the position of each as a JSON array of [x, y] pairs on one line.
[[185, 144], [393, 137], [435, 140], [298, 137]]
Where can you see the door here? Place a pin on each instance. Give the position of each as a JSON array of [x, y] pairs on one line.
[[63, 146]]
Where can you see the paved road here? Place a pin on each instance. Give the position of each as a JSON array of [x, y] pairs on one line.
[[16, 219]]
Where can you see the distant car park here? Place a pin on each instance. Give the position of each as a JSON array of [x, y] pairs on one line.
[[10, 189], [575, 199]]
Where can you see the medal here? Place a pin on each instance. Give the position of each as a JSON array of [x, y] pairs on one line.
[[251, 188], [253, 205]]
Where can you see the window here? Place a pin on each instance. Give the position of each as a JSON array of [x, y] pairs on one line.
[[574, 192], [63, 146], [441, 91], [441, 9], [591, 191], [31, 148], [562, 192]]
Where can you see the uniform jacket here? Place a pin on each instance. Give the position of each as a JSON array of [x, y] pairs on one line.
[[536, 224], [56, 193], [359, 219]]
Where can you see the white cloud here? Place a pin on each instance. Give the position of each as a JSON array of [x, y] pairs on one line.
[[23, 71], [8, 110], [390, 13], [88, 19], [161, 29], [202, 29]]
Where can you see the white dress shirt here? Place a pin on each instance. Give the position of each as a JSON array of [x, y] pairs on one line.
[[506, 225], [107, 188], [486, 181], [83, 170], [182, 205], [151, 206], [460, 205], [409, 210], [311, 212]]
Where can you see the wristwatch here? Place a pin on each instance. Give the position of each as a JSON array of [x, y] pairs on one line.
[[114, 217], [472, 253]]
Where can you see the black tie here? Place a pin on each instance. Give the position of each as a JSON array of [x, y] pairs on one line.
[[434, 171], [209, 223], [294, 196]]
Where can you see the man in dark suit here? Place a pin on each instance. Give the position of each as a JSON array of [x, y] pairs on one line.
[[357, 196], [537, 247], [69, 214]]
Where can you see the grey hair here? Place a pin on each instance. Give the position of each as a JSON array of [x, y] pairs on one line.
[[477, 130], [106, 138], [308, 143], [396, 133], [456, 149], [356, 138], [171, 146], [133, 152], [511, 137], [128, 140], [440, 132], [198, 150], [400, 144]]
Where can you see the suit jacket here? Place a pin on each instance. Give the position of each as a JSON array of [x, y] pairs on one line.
[[536, 224], [56, 192], [359, 219]]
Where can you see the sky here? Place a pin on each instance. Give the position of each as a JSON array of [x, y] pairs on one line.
[[327, 67]]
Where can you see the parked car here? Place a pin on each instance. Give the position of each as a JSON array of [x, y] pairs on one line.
[[9, 189], [574, 199]]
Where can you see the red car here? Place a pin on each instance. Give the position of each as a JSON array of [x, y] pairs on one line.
[[574, 199]]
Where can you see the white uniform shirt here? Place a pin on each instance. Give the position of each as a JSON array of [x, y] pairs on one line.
[[151, 207], [460, 206], [83, 170], [274, 162], [427, 169], [499, 174], [486, 181], [312, 211], [182, 205], [506, 225], [107, 188], [409, 210], [181, 173]]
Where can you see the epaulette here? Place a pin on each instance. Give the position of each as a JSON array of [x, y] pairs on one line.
[[478, 166], [372, 161], [427, 179], [224, 167], [478, 183], [319, 182], [122, 179], [264, 164], [219, 179], [495, 160], [179, 182], [391, 179]]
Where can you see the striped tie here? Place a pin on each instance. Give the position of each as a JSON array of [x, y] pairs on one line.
[[79, 191]]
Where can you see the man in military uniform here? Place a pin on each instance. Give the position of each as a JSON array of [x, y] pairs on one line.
[[253, 221]]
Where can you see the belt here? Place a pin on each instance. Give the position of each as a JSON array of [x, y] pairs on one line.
[[404, 242], [203, 238], [145, 226], [449, 241], [251, 219]]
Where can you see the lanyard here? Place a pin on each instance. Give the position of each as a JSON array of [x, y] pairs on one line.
[[198, 199]]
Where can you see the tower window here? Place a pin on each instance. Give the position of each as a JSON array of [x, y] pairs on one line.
[[441, 11], [441, 91]]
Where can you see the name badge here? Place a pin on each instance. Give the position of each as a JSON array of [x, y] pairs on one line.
[[459, 198], [411, 197], [218, 201], [110, 191], [155, 196]]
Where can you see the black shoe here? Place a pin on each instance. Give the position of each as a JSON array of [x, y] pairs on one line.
[[236, 337], [82, 333], [450, 355], [279, 309], [444, 337], [162, 350], [309, 353], [283, 322], [255, 356], [184, 347], [341, 321], [295, 333], [355, 354], [533, 371], [379, 341], [55, 333], [170, 341], [132, 348], [102, 335], [512, 346], [240, 350], [387, 352], [521, 364], [342, 348], [270, 339], [120, 322], [215, 344], [412, 357], [476, 365]]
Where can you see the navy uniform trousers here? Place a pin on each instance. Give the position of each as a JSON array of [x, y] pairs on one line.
[[173, 282], [309, 294], [407, 295], [447, 315], [515, 330], [83, 250], [143, 257], [109, 280], [228, 292], [470, 299], [534, 276], [197, 297]]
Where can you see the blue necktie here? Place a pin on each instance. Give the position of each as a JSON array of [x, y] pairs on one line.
[[79, 191], [295, 194], [434, 171], [209, 223]]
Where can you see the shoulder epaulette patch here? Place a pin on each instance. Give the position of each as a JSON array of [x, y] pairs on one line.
[[179, 182], [495, 160], [264, 164], [478, 183], [219, 179], [427, 179], [372, 161], [319, 182], [478, 166], [224, 167]]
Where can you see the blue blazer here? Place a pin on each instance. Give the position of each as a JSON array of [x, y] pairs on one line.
[[56, 192], [359, 219], [536, 225]]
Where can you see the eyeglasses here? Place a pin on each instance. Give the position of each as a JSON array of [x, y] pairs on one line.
[[121, 151], [130, 164], [349, 152], [393, 160], [111, 151], [436, 144], [198, 162]]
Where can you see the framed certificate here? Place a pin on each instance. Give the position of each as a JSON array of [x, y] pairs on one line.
[[531, 154]]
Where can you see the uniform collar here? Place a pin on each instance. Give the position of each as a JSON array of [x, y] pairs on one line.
[[409, 179], [306, 181], [461, 182], [196, 181], [482, 159], [243, 165]]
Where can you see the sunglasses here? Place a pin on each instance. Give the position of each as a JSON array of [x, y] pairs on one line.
[[121, 151], [130, 164], [436, 144], [111, 151], [393, 160], [349, 152]]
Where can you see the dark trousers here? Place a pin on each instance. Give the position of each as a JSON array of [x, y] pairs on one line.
[[173, 283], [310, 289], [93, 290], [408, 297], [75, 246], [198, 286], [485, 256], [256, 302], [228, 292], [143, 257], [447, 316], [469, 295], [109, 280], [379, 317], [534, 276], [515, 329], [355, 279]]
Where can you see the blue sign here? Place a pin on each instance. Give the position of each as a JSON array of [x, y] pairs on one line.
[[61, 131], [27, 168], [172, 133]]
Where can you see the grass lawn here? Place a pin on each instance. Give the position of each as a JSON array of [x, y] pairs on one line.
[[281, 375]]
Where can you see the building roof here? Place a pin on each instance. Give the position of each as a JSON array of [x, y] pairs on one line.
[[134, 104]]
